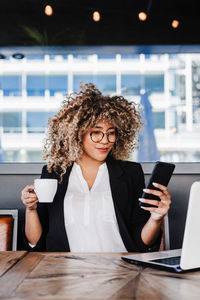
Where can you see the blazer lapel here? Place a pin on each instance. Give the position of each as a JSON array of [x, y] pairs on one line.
[[59, 207], [118, 186], [121, 198]]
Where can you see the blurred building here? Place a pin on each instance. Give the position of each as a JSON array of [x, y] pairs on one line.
[[32, 89]]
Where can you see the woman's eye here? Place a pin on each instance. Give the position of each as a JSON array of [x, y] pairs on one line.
[[112, 133], [96, 132]]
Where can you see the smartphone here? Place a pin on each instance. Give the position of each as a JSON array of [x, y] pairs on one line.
[[161, 173]]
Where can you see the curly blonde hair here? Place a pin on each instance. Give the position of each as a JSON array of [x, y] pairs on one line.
[[81, 111]]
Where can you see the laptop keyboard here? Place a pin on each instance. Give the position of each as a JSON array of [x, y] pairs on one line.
[[168, 261]]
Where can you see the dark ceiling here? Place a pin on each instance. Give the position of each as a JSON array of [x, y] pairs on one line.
[[23, 22]]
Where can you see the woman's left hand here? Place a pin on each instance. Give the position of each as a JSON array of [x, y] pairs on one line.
[[157, 213]]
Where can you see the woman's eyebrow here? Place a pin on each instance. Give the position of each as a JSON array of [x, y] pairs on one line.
[[99, 127]]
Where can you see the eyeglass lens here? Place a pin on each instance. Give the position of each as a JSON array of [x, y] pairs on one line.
[[97, 136]]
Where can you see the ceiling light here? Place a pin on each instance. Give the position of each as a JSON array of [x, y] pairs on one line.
[[142, 16], [96, 16], [18, 55], [48, 10], [175, 23]]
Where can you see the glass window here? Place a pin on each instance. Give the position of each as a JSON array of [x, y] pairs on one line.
[[35, 57], [106, 83], [173, 56], [37, 121], [131, 84], [12, 122], [196, 92], [130, 56], [57, 84], [80, 57], [159, 119], [154, 83], [110, 56], [77, 79], [12, 155], [174, 98], [11, 85], [36, 85], [58, 58], [181, 87], [147, 56], [177, 85], [173, 84], [34, 156]]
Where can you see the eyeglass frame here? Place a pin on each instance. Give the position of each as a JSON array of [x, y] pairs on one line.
[[103, 134]]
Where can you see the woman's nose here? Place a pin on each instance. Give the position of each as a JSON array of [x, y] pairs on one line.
[[105, 139]]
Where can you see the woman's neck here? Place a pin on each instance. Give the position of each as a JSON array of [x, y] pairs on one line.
[[89, 168], [88, 162]]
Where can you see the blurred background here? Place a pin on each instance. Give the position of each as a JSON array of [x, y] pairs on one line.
[[147, 51]]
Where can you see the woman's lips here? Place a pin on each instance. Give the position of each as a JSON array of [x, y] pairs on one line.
[[103, 149]]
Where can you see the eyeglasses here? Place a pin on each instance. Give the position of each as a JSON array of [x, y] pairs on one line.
[[97, 136]]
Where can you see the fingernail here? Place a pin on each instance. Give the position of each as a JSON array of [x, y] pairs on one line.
[[154, 183], [140, 199], [145, 190], [143, 207]]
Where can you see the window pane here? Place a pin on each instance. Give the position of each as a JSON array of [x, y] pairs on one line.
[[159, 119], [110, 56], [12, 121], [130, 56], [36, 85], [57, 84], [131, 84], [106, 83], [80, 57], [37, 121], [34, 156], [154, 83], [81, 78], [12, 156], [59, 58], [11, 85], [35, 57]]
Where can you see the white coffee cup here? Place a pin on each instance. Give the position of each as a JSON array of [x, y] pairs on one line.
[[45, 189]]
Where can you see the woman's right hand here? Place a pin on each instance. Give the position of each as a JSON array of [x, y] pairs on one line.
[[29, 197]]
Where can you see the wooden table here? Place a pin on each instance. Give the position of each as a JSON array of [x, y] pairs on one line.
[[88, 276]]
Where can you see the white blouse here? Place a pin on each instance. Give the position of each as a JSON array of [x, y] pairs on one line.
[[90, 219]]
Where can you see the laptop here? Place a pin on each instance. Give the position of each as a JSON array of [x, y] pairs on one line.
[[179, 260]]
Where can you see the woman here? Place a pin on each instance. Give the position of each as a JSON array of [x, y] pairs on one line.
[[96, 205]]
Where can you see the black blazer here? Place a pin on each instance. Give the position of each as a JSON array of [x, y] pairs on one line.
[[126, 181]]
